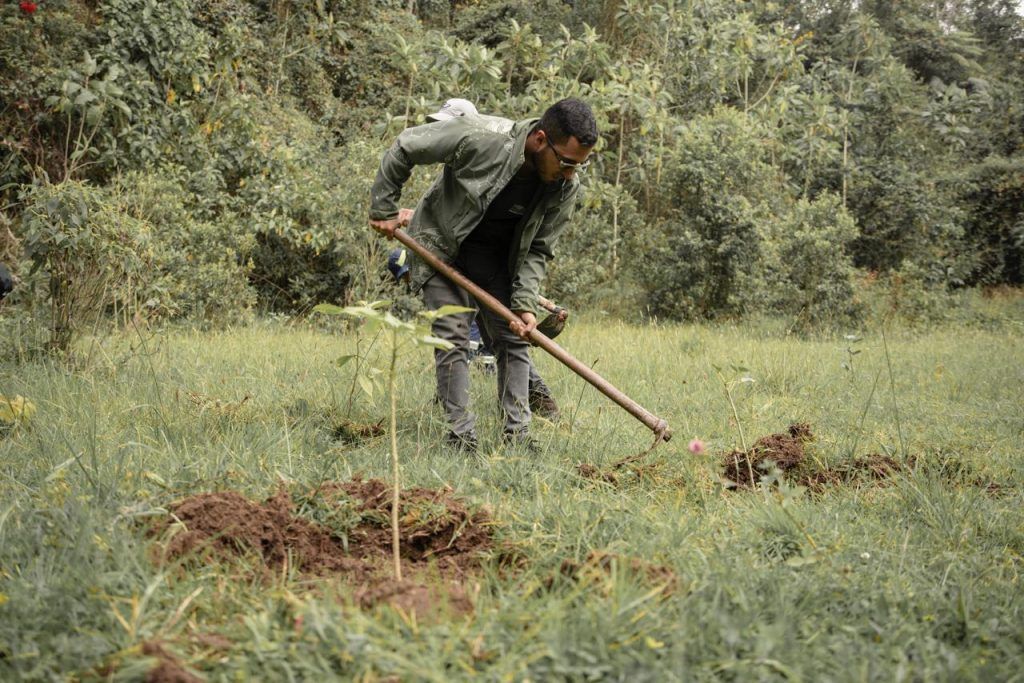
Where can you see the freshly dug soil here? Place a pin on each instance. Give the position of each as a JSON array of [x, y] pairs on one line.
[[434, 524], [438, 535], [785, 450]]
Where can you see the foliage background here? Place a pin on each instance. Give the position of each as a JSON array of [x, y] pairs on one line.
[[757, 157]]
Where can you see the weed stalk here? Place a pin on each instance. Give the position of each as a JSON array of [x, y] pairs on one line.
[[895, 402], [394, 456]]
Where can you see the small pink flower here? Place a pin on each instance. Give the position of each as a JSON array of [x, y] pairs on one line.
[[696, 446]]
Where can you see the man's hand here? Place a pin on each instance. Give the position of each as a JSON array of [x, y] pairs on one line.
[[386, 227], [525, 325], [553, 308]]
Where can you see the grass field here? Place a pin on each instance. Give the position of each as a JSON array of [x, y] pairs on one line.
[[663, 574]]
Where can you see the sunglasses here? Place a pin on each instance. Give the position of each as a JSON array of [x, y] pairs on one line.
[[564, 163]]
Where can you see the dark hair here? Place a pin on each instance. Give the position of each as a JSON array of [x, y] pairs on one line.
[[570, 118]]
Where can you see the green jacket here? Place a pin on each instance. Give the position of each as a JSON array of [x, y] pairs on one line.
[[480, 155]]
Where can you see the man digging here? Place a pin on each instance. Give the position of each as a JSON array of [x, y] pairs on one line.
[[506, 192]]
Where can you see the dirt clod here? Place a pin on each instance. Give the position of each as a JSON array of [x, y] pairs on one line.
[[588, 471], [744, 469], [340, 528], [168, 669]]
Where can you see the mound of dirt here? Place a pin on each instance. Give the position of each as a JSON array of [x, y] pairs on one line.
[[337, 529], [744, 469], [434, 524]]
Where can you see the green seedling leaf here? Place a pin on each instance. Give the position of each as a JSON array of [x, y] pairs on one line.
[[449, 309], [329, 309], [366, 385], [341, 362], [435, 342], [372, 324], [396, 324]]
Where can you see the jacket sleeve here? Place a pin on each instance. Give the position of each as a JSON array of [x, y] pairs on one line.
[[526, 284], [431, 143]]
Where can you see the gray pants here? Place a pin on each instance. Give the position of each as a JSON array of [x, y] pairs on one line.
[[452, 366], [537, 385]]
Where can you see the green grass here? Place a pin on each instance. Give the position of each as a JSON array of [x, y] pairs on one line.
[[917, 580]]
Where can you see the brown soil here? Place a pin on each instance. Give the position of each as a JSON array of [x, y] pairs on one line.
[[785, 450], [451, 598], [439, 537], [168, 669], [588, 471]]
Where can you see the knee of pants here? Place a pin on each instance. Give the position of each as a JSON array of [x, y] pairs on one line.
[[453, 329]]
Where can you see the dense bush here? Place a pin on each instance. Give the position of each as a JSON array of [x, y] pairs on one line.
[[91, 250], [710, 259], [737, 242], [602, 249], [993, 195], [811, 275], [196, 268], [750, 151]]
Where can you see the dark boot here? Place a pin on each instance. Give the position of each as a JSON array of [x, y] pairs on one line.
[[544, 406], [520, 440], [466, 443]]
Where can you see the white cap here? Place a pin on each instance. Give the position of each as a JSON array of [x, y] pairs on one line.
[[453, 108]]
